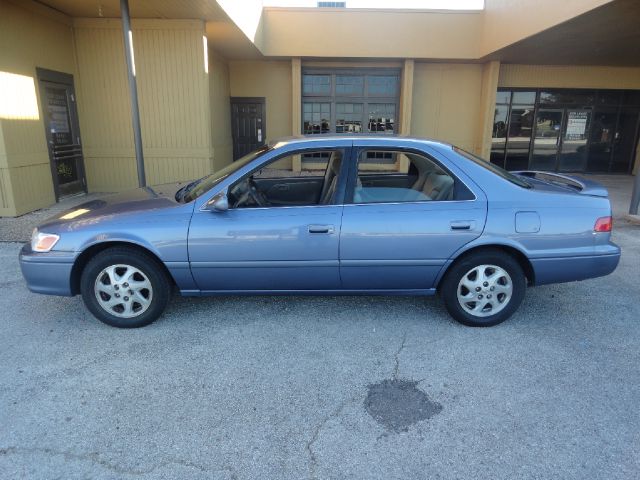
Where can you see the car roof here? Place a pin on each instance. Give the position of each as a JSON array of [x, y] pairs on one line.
[[399, 139]]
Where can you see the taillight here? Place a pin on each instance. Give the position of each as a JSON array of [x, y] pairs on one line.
[[603, 224]]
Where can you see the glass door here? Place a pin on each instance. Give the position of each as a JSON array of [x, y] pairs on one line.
[[64, 143], [601, 139], [573, 151], [625, 141], [547, 139]]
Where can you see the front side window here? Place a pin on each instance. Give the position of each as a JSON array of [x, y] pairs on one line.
[[278, 184], [396, 176]]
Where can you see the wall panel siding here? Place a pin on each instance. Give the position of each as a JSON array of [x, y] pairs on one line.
[[26, 185], [173, 93], [221, 143], [28, 40], [446, 103], [572, 76]]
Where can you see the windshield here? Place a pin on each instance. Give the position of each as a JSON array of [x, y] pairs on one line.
[[494, 168], [204, 184]]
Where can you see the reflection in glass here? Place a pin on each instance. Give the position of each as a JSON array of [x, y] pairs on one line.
[[499, 134], [503, 97], [624, 141], [349, 117], [545, 145], [573, 155], [316, 84], [575, 97], [349, 84], [381, 117], [383, 85], [524, 97], [520, 125], [601, 140], [315, 118]]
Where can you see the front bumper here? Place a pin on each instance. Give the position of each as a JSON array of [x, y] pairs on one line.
[[570, 269], [48, 273]]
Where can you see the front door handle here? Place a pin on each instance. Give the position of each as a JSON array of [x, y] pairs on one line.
[[462, 225], [328, 229]]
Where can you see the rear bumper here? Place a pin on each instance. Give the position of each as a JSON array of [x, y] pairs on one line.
[[48, 273], [570, 269]]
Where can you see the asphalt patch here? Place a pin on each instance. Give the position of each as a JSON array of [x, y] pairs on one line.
[[397, 404]]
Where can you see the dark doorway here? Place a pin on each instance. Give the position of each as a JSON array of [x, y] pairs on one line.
[[62, 130], [247, 124]]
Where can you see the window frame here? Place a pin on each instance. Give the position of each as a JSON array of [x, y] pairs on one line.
[[358, 150], [338, 196], [365, 99]]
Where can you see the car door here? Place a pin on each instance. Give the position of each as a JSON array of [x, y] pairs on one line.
[[398, 236], [274, 248]]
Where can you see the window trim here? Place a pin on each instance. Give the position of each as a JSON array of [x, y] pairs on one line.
[[365, 99], [357, 150], [339, 194]]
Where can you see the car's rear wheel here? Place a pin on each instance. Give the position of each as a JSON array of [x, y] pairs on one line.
[[484, 288], [124, 287]]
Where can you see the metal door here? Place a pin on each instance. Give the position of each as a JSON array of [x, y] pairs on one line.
[[62, 131], [247, 125]]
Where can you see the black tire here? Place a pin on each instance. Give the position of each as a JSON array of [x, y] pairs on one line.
[[147, 266], [494, 257]]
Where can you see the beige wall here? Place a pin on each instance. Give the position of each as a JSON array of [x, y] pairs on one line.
[[447, 103], [272, 80], [221, 144], [29, 38], [347, 33], [269, 79], [569, 76], [173, 90]]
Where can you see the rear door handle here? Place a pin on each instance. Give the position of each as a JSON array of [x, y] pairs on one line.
[[462, 225], [328, 229]]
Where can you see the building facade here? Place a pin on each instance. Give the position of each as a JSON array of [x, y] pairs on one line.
[[525, 85]]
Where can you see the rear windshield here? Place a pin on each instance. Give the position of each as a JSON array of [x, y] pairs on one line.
[[501, 172]]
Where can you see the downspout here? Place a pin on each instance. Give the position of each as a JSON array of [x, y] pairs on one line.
[[133, 90]]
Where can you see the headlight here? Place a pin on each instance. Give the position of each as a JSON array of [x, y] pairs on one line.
[[43, 242]]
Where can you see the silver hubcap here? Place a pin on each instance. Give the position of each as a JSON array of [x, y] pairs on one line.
[[485, 290], [123, 291]]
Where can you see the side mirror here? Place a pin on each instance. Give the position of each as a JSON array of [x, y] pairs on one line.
[[219, 203]]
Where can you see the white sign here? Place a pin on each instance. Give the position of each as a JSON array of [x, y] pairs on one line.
[[576, 125]]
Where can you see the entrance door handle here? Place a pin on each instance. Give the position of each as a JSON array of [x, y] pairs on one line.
[[462, 225], [328, 229]]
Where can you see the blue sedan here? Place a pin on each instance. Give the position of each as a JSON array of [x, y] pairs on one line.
[[330, 215]]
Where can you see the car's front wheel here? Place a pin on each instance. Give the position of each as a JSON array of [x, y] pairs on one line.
[[124, 287], [484, 288]]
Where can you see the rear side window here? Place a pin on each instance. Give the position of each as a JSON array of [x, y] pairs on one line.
[[501, 172], [387, 176]]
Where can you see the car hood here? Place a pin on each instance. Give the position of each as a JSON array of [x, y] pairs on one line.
[[121, 205]]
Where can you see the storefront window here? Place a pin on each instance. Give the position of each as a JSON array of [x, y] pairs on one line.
[[381, 117], [350, 101], [316, 85], [348, 118], [316, 118], [566, 130]]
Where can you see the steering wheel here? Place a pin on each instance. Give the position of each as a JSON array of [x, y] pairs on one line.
[[256, 194], [249, 190]]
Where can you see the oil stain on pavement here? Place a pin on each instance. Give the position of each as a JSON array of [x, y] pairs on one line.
[[397, 404]]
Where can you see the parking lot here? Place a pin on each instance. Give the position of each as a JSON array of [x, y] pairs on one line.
[[325, 387]]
